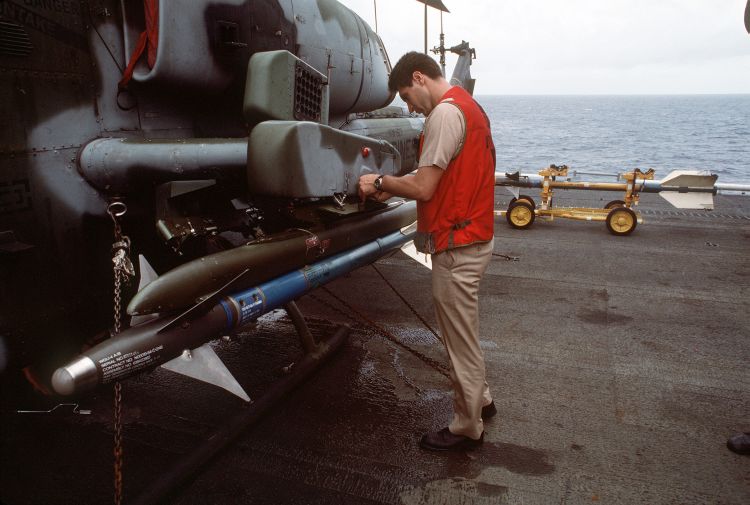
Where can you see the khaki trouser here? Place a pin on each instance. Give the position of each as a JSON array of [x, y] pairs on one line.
[[455, 288]]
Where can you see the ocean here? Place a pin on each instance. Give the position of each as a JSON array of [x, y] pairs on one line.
[[614, 134]]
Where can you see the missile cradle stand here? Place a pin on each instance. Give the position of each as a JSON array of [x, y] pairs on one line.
[[618, 215]]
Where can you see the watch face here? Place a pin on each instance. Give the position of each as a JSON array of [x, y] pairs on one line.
[[378, 183]]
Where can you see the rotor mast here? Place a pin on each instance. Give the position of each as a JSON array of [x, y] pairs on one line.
[[436, 4]]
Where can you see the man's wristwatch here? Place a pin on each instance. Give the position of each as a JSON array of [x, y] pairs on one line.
[[378, 183]]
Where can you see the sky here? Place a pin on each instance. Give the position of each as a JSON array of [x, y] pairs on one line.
[[580, 46]]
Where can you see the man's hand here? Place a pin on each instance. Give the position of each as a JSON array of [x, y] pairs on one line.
[[420, 187], [366, 189]]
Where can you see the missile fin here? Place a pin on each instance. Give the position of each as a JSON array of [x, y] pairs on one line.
[[689, 179], [411, 251], [206, 303], [689, 200], [147, 272], [204, 365], [147, 276], [411, 228], [677, 185]]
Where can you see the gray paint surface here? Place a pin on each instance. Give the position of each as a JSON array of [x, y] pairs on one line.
[[181, 119], [307, 160]]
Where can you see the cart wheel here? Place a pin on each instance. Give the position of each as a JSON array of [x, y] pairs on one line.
[[621, 221], [520, 214], [614, 203], [526, 198]]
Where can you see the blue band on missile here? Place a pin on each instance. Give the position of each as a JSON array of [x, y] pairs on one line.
[[270, 295], [230, 317], [252, 305]]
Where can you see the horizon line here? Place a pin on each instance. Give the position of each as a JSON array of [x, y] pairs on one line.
[[613, 94]]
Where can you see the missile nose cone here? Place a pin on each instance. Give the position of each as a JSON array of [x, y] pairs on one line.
[[62, 382], [75, 376]]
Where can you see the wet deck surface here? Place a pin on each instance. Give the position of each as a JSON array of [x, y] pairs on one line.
[[619, 366]]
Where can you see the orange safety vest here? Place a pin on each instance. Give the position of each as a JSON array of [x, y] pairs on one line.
[[460, 211]]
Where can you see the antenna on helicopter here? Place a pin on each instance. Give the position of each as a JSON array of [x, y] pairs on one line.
[[437, 4], [441, 48]]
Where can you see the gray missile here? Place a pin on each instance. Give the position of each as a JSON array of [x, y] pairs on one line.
[[186, 284], [160, 340], [684, 189]]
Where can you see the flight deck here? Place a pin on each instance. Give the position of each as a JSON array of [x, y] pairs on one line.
[[619, 367]]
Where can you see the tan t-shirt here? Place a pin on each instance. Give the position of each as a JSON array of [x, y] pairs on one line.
[[444, 133]]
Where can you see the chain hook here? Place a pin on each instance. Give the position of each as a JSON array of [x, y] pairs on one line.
[[123, 269], [116, 209]]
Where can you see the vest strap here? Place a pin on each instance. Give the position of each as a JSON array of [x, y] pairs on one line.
[[456, 226]]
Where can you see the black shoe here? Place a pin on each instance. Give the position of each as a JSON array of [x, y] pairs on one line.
[[739, 443], [444, 440], [489, 411]]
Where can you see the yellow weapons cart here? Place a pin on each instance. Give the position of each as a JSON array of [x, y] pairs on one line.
[[619, 216]]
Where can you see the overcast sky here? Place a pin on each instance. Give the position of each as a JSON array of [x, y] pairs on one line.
[[581, 46]]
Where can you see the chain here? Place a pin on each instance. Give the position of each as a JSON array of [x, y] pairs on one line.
[[123, 270], [406, 302], [509, 258], [118, 443], [334, 308], [439, 367]]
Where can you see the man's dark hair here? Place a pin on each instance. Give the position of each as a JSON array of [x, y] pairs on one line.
[[407, 65]]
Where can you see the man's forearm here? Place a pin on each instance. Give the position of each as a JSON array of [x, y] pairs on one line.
[[419, 186], [403, 186]]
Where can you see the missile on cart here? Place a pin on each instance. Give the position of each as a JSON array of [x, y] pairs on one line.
[[684, 189], [166, 339]]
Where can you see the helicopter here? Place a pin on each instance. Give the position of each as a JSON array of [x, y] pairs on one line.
[[218, 143]]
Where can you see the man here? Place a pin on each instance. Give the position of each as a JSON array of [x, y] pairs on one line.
[[454, 189]]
